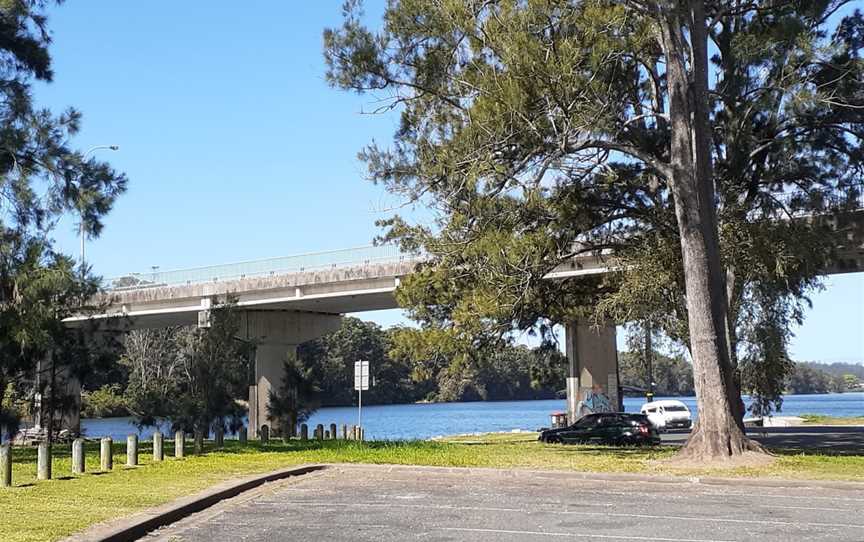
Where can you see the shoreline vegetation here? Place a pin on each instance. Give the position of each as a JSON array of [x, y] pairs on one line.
[[49, 510]]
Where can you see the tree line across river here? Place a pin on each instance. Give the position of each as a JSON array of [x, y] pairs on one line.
[[324, 369]]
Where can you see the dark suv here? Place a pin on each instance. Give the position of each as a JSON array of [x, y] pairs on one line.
[[606, 428]]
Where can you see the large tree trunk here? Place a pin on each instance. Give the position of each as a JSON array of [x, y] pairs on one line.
[[716, 435]]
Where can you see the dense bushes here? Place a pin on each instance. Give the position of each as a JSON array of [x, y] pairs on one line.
[[106, 402]]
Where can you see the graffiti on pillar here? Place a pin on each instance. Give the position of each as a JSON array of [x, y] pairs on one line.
[[595, 400]]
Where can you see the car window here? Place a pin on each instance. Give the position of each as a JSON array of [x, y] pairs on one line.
[[676, 408], [587, 421]]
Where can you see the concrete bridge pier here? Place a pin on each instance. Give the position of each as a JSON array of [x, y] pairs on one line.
[[593, 359], [277, 335]]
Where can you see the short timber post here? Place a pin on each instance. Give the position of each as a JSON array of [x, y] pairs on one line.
[[243, 435], [78, 456], [106, 459], [132, 451], [326, 434], [264, 436], [6, 464], [158, 446], [345, 431], [219, 437], [180, 444], [304, 432], [333, 434], [43, 469], [319, 431], [353, 432]]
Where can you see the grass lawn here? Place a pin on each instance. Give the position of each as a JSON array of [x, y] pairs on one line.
[[819, 419], [48, 510]]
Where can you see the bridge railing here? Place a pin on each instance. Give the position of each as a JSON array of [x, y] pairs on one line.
[[316, 261]]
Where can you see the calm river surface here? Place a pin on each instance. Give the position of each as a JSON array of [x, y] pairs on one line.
[[422, 421]]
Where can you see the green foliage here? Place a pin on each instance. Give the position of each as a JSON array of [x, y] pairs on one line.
[[42, 178], [404, 375], [190, 376], [296, 399], [808, 379], [539, 131], [105, 402], [673, 376]]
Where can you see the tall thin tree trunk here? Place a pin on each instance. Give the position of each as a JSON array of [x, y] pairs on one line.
[[732, 347], [716, 433]]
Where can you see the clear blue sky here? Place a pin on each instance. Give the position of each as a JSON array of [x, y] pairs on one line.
[[236, 148]]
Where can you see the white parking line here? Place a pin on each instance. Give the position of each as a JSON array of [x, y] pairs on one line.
[[581, 535]]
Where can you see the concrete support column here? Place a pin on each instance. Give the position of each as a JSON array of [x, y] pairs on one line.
[[593, 359], [276, 335], [269, 369]]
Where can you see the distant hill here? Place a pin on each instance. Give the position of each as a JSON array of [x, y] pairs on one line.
[[837, 369]]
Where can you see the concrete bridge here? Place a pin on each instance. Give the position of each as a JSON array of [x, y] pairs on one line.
[[287, 301]]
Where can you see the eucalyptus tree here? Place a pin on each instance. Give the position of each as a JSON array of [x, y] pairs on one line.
[[42, 177], [664, 135]]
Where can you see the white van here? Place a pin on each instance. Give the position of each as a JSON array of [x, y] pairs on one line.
[[668, 414]]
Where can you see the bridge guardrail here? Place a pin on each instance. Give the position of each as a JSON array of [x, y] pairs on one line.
[[352, 257], [315, 261]]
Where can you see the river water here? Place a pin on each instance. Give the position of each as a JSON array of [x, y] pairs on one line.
[[423, 421]]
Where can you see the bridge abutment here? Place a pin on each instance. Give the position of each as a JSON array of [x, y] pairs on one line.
[[593, 359]]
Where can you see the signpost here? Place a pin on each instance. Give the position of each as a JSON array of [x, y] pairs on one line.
[[361, 382]]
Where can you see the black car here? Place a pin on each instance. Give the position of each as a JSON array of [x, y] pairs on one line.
[[606, 428]]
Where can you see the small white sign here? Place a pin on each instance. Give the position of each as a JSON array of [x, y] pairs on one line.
[[361, 375]]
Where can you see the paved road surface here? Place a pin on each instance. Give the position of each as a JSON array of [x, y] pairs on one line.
[[835, 439], [430, 504]]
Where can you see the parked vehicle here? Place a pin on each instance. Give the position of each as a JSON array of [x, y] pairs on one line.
[[617, 428], [668, 414]]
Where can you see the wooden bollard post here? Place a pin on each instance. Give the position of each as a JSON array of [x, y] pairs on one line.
[[265, 434], [243, 435], [353, 432], [319, 431], [6, 464], [106, 457], [345, 431], [304, 432], [43, 462], [158, 446], [333, 434], [219, 437], [180, 444], [362, 434], [132, 451], [78, 456]]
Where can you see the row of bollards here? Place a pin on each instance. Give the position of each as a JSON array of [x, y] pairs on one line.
[[106, 457], [320, 433]]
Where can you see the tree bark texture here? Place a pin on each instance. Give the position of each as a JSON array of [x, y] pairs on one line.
[[716, 433]]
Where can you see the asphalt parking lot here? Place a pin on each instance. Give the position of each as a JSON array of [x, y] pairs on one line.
[[384, 503], [836, 439]]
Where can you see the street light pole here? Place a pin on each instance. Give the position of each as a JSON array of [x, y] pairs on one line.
[[82, 229]]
